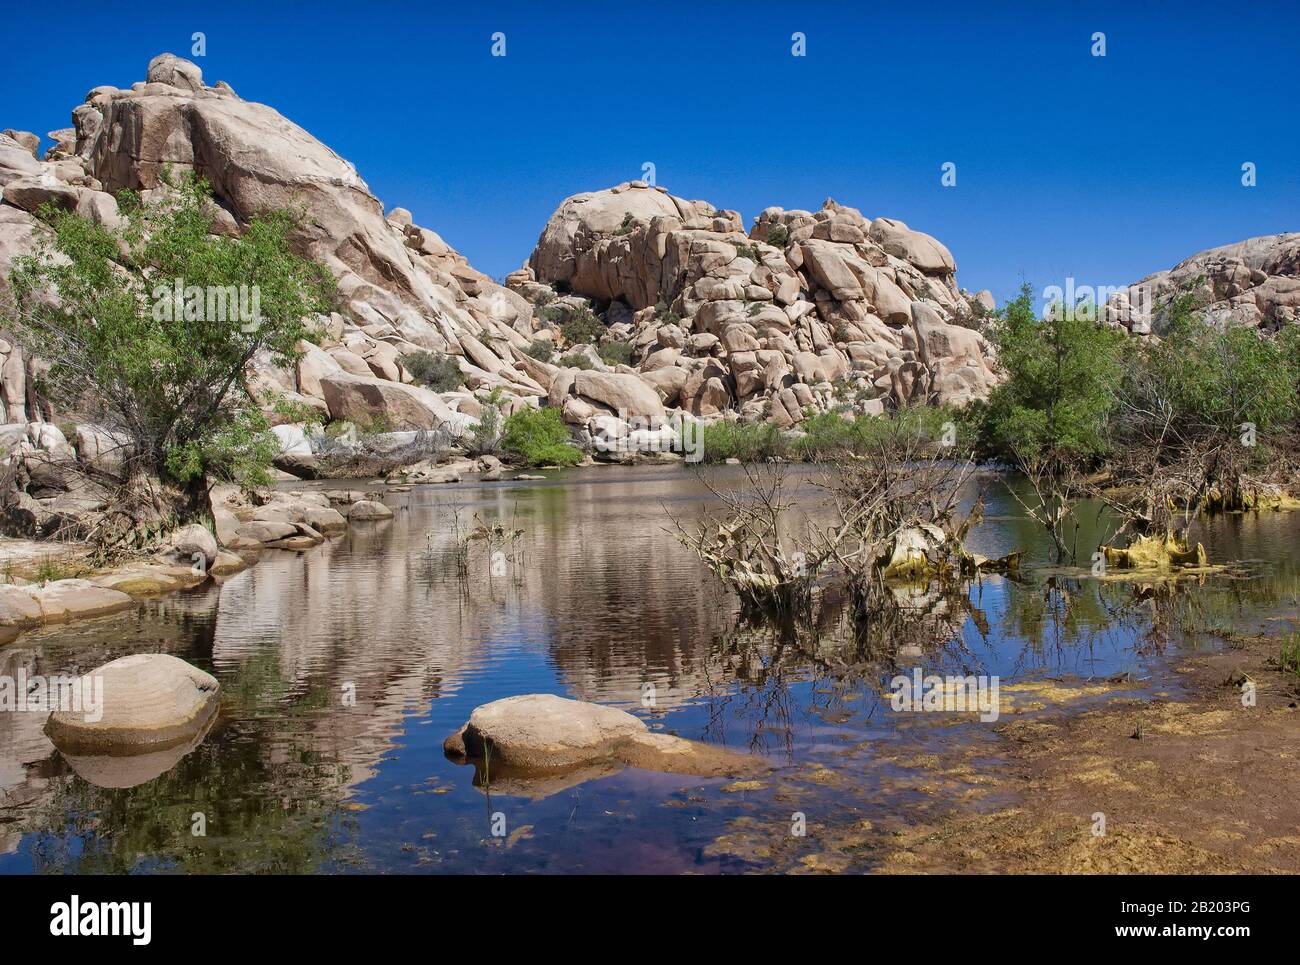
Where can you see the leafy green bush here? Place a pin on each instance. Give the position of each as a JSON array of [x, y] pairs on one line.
[[540, 438], [433, 370], [541, 349], [582, 327], [746, 441], [778, 235], [615, 353], [154, 327], [1199, 382], [577, 360]]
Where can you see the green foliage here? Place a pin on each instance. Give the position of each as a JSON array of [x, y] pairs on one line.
[[778, 235], [615, 353], [746, 441], [577, 360], [747, 251], [435, 371], [627, 224], [1204, 383], [582, 327], [541, 349], [168, 372], [540, 438], [1062, 374], [1290, 660], [487, 435], [665, 314]]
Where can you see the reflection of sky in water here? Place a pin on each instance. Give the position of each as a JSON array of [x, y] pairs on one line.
[[601, 601]]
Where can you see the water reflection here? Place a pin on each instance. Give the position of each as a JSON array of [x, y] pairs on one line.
[[344, 667]]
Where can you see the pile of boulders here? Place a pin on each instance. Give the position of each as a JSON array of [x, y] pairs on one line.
[[807, 311]]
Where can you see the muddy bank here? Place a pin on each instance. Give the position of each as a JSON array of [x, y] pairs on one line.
[[1096, 780]]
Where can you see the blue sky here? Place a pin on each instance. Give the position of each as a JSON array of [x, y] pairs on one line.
[[1103, 169]]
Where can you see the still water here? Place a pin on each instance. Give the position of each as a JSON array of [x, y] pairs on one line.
[[598, 602]]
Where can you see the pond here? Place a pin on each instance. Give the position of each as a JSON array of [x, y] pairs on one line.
[[343, 668]]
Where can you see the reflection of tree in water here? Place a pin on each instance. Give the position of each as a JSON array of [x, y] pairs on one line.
[[269, 806], [835, 651]]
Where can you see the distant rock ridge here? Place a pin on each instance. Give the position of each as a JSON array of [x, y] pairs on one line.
[[804, 312], [1255, 282]]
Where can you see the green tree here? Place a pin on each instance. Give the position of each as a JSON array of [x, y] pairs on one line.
[[1062, 371], [149, 331]]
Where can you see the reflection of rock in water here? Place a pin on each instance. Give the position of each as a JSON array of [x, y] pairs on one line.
[[128, 771]]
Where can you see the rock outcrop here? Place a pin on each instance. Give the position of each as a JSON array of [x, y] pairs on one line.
[[1255, 282], [808, 309], [805, 311]]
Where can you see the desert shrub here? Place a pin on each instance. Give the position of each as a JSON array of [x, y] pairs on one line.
[[615, 353], [540, 438], [577, 360], [433, 370], [582, 327], [541, 349], [778, 235], [665, 314], [746, 441], [485, 439]]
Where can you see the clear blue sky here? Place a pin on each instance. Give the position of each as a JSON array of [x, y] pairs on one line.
[[1067, 164]]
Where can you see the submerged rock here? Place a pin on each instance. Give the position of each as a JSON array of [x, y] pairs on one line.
[[150, 701], [518, 737]]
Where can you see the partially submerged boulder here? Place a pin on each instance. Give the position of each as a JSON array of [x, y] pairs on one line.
[[150, 701], [517, 736], [368, 509]]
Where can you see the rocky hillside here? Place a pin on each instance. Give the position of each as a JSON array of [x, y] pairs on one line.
[[1255, 282], [805, 311]]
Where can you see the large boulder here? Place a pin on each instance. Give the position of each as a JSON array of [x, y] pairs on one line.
[[542, 732], [359, 399], [626, 394], [150, 701]]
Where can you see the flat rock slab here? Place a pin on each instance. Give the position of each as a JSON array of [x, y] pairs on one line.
[[57, 601], [519, 737], [150, 701]]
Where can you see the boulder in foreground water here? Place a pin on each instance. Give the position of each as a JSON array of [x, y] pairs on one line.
[[542, 732], [145, 702], [367, 509]]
